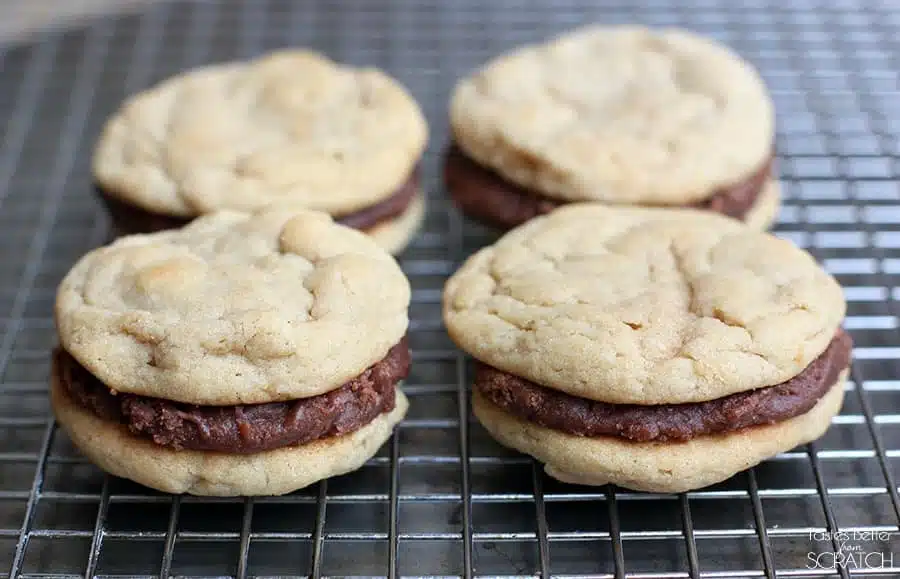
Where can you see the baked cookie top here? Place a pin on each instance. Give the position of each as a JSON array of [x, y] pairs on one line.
[[234, 308], [617, 114], [290, 126], [643, 306]]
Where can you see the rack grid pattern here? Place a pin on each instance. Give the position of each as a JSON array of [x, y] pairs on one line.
[[441, 499]]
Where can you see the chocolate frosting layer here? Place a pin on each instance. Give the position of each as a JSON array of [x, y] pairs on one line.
[[666, 422], [130, 219], [390, 208], [248, 428], [486, 196]]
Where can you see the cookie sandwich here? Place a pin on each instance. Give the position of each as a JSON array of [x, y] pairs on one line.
[[291, 126], [245, 354], [621, 115], [659, 350]]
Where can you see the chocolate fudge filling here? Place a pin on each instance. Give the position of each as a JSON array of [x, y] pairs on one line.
[[486, 196], [130, 219], [390, 208], [676, 422], [245, 428]]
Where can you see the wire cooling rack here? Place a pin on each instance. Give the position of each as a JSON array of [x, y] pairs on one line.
[[441, 499]]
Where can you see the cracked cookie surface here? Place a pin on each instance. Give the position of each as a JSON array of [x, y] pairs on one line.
[[234, 309], [643, 306], [617, 114], [290, 126]]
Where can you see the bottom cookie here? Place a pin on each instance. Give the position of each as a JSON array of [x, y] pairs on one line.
[[668, 467], [111, 447]]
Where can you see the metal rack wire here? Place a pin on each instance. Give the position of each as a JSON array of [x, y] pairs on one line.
[[441, 499]]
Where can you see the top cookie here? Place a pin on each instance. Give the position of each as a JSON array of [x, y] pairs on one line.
[[617, 114], [291, 126], [234, 309], [643, 306]]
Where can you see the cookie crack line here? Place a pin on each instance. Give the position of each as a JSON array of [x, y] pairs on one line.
[[685, 276], [599, 115]]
